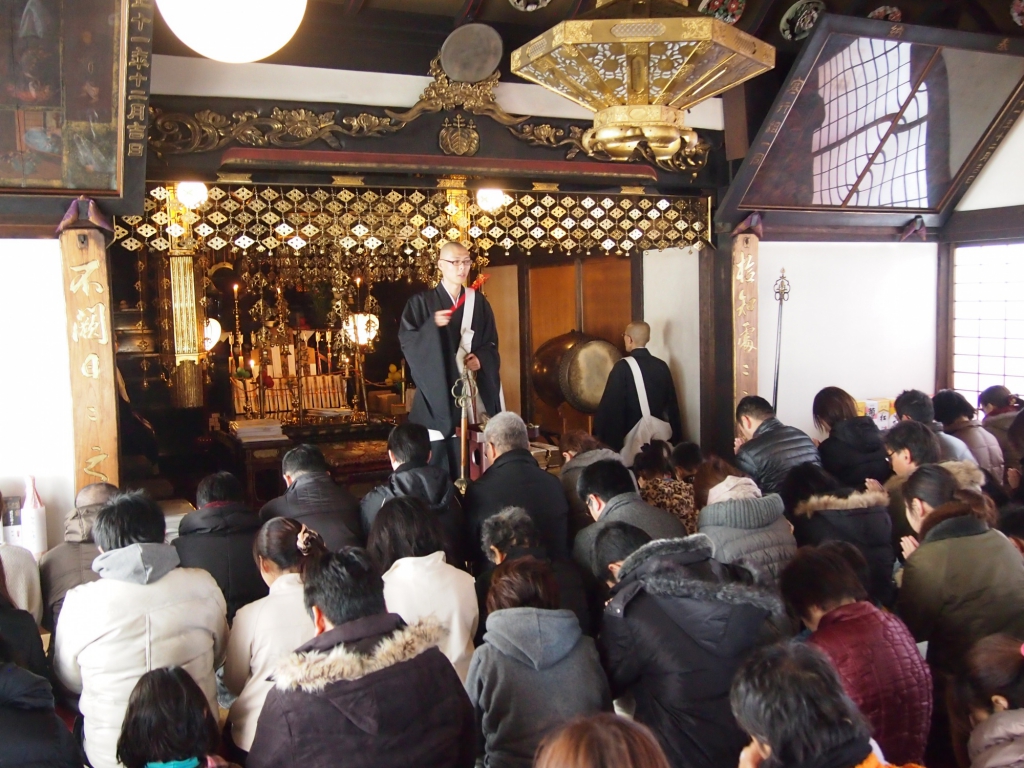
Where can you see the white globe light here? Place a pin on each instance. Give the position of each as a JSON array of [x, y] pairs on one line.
[[361, 328], [191, 194], [211, 333], [234, 31], [490, 200]]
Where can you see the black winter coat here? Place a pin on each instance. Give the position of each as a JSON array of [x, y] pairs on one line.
[[861, 519], [515, 480], [772, 452], [19, 630], [619, 410], [573, 592], [371, 693], [218, 538], [676, 629], [317, 502], [853, 452], [432, 485], [31, 734]]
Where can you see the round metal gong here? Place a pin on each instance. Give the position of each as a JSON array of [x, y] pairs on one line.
[[573, 368], [583, 373], [471, 53]]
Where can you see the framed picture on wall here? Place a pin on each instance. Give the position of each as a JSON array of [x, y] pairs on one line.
[[74, 98]]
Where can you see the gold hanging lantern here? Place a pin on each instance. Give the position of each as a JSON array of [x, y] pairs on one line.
[[638, 65]]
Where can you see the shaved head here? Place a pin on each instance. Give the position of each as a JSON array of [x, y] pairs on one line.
[[640, 333], [95, 493], [452, 249]]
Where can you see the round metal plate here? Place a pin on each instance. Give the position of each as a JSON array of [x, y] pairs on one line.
[[584, 371], [471, 53]]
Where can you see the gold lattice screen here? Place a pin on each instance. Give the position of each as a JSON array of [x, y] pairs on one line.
[[396, 230]]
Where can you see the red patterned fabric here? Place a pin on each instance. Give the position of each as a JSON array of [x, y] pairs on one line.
[[883, 672]]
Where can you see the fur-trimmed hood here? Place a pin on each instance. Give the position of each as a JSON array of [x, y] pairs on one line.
[[312, 671], [717, 606], [966, 473], [662, 568], [828, 502]]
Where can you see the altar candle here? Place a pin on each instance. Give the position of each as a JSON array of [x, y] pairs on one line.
[[291, 359], [346, 366], [275, 360]]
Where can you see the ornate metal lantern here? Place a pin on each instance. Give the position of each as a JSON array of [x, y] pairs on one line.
[[638, 65]]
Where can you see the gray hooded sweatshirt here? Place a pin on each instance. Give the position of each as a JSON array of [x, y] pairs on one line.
[[534, 672], [137, 563]]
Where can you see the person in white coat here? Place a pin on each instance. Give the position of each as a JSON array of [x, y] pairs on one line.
[[144, 613], [269, 629], [407, 544]]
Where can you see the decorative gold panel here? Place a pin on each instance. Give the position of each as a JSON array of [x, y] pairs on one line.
[[304, 233]]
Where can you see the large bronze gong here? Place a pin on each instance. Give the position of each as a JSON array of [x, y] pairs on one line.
[[573, 368]]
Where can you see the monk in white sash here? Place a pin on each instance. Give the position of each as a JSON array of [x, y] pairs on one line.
[[443, 332]]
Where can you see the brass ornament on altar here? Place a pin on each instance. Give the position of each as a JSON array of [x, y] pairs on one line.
[[639, 65]]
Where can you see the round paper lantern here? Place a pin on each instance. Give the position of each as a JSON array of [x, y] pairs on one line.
[[234, 31]]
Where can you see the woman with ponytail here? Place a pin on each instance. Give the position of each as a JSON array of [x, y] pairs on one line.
[[991, 691], [269, 629]]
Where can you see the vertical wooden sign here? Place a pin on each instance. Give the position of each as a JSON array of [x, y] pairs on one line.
[[744, 316], [91, 353]]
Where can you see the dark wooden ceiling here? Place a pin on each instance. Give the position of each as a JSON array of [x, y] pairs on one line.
[[403, 35]]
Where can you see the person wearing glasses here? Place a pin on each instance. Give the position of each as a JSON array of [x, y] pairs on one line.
[[445, 331]]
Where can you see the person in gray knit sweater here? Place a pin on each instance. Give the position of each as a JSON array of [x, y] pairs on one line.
[[743, 526], [535, 671]]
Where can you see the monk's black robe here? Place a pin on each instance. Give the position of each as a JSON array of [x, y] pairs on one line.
[[430, 354]]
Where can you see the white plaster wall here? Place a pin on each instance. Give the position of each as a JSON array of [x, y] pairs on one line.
[[671, 307], [191, 76], [36, 436], [860, 316], [1001, 182]]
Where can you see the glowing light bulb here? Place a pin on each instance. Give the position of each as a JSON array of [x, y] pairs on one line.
[[234, 31], [191, 194]]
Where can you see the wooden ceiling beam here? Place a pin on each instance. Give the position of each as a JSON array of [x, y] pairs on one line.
[[577, 6], [352, 7], [470, 12]]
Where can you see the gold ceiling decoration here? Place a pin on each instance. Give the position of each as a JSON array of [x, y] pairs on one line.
[[179, 133], [638, 65], [392, 234]]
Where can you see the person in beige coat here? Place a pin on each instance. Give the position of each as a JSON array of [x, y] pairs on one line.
[[269, 629], [144, 613]]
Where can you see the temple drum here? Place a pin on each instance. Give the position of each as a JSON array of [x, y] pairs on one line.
[[573, 368]]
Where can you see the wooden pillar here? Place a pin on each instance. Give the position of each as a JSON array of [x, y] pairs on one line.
[[744, 316], [717, 423], [91, 353]]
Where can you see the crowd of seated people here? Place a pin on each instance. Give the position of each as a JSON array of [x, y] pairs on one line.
[[850, 602]]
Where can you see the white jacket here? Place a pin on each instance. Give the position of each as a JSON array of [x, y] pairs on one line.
[[418, 588], [22, 574], [264, 633], [144, 613]]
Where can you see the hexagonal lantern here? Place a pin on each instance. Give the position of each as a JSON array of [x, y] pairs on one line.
[[638, 64]]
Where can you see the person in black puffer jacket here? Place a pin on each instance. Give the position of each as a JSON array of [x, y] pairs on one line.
[[31, 734], [768, 449], [218, 538], [853, 450], [409, 451], [822, 509], [676, 629]]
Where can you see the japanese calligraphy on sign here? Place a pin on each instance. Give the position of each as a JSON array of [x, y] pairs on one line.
[[744, 316], [91, 354]]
